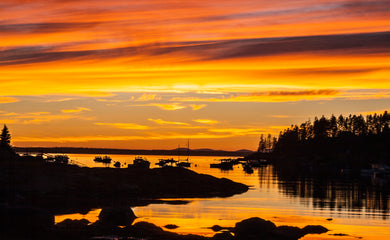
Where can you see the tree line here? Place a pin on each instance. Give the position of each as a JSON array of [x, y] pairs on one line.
[[332, 128], [353, 141]]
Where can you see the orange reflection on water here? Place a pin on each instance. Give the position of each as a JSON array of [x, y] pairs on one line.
[[92, 216]]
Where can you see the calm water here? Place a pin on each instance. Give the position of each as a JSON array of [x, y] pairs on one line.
[[358, 209]]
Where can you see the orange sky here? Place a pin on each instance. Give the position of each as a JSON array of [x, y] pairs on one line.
[[152, 74]]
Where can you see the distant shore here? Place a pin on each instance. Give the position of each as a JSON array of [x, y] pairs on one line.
[[183, 151]]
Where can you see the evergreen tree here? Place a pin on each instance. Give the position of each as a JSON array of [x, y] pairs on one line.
[[5, 138]]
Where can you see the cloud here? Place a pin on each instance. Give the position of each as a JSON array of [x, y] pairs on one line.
[[39, 117], [77, 110], [8, 99], [49, 27], [148, 97], [197, 106], [238, 131], [162, 122], [280, 116], [130, 126], [206, 121], [336, 44], [267, 96], [169, 107]]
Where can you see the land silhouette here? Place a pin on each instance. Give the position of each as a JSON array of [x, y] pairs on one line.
[[334, 145]]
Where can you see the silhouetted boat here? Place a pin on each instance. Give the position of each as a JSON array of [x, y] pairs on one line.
[[105, 159], [166, 162], [258, 162], [224, 164], [117, 164], [64, 159], [139, 162], [247, 168], [184, 163]]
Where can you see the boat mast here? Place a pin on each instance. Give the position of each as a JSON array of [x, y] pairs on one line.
[[188, 149]]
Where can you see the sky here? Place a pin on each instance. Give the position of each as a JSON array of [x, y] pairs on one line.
[[154, 74]]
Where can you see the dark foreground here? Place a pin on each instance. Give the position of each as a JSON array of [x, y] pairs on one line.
[[34, 192], [116, 223]]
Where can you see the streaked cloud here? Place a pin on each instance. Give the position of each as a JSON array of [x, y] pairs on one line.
[[197, 106], [206, 121], [280, 116], [167, 106], [238, 131], [163, 122], [77, 110], [8, 99], [336, 44], [27, 118], [148, 97], [129, 126]]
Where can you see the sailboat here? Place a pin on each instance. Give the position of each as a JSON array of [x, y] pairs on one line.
[[184, 163]]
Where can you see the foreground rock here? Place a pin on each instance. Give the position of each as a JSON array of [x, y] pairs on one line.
[[257, 228], [249, 229], [64, 188]]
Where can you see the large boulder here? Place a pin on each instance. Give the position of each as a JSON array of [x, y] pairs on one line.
[[117, 216], [253, 228]]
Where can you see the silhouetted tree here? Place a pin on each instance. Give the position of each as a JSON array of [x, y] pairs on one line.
[[5, 138], [6, 150]]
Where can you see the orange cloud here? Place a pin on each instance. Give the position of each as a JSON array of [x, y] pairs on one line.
[[77, 110], [169, 107], [206, 121], [162, 122], [8, 99], [197, 106], [132, 126]]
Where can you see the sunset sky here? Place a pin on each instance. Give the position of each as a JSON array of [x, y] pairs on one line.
[[152, 74]]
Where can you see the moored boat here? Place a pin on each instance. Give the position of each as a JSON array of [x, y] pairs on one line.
[[105, 159], [224, 164], [140, 162]]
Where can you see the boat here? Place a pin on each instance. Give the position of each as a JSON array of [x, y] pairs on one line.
[[139, 162], [166, 162], [184, 163], [247, 167], [64, 159], [117, 164], [105, 159], [258, 162], [224, 164]]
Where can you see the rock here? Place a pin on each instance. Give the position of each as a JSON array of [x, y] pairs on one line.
[[171, 226], [253, 228], [318, 229], [216, 228], [288, 233], [223, 236], [72, 225], [118, 216], [25, 221]]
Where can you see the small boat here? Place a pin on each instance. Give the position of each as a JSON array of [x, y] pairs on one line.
[[258, 162], [166, 162], [63, 159], [117, 164], [105, 159], [247, 168], [224, 164], [183, 163], [139, 162]]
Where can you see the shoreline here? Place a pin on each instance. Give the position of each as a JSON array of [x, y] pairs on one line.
[[172, 152]]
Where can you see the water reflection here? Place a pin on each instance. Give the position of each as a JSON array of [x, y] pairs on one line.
[[353, 195]]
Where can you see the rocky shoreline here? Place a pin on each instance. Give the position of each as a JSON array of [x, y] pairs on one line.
[[36, 191], [66, 188]]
